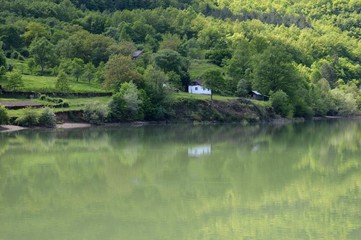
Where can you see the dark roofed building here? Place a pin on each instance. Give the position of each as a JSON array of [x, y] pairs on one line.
[[258, 96], [136, 55]]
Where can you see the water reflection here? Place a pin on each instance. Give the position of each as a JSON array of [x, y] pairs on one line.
[[199, 150], [260, 182]]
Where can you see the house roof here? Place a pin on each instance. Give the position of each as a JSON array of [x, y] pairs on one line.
[[196, 82], [256, 92], [137, 53]]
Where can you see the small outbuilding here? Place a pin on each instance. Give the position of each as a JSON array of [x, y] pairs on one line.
[[258, 96], [137, 54], [195, 87]]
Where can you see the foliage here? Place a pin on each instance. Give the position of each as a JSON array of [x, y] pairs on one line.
[[62, 82], [214, 80], [43, 53], [31, 65], [95, 113], [345, 103], [274, 71], [47, 118], [77, 68], [2, 58], [15, 80], [168, 60], [118, 70], [243, 87], [89, 72], [34, 31], [4, 118], [126, 104], [29, 118], [280, 103]]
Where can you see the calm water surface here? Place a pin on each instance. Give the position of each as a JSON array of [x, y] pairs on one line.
[[300, 181]]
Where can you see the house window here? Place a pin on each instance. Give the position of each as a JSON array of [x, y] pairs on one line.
[[196, 88]]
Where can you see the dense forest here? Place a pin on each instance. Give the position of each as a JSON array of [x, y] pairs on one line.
[[304, 54]]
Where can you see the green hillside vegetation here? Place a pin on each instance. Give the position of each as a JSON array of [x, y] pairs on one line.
[[304, 54]]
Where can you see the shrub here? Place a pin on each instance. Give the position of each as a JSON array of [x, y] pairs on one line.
[[47, 118], [62, 82], [126, 104], [15, 80], [95, 113], [29, 118], [50, 99], [345, 103], [280, 104], [4, 118]]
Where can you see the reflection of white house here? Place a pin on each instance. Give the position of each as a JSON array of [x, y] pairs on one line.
[[196, 87], [199, 150]]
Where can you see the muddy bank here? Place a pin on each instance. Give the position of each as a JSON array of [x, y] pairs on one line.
[[241, 110], [14, 128]]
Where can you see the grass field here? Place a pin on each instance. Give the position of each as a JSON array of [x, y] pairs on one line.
[[198, 67], [74, 104], [47, 84], [203, 97]]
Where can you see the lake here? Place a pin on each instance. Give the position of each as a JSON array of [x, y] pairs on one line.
[[295, 181]]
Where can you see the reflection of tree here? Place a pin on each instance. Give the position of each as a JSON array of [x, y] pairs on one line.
[[301, 181]]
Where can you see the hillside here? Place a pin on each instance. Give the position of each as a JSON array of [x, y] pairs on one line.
[[304, 54]]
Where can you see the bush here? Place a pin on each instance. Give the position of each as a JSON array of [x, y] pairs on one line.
[[344, 103], [50, 99], [281, 105], [4, 118], [95, 113], [29, 118], [126, 104], [47, 118], [62, 82], [15, 80]]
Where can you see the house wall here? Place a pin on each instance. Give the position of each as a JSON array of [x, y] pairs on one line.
[[198, 89]]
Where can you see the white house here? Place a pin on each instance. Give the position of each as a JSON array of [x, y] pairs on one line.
[[196, 87]]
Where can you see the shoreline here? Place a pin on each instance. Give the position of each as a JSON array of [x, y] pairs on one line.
[[15, 128], [73, 125]]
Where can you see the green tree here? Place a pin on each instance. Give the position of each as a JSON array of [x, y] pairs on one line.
[[281, 104], [170, 41], [47, 118], [2, 58], [43, 53], [243, 87], [4, 118], [89, 72], [62, 82], [126, 104], [15, 80], [30, 63], [274, 71], [11, 37], [77, 68], [213, 79], [95, 113], [156, 81], [35, 30], [345, 103], [168, 60], [120, 69], [156, 99], [3, 65]]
